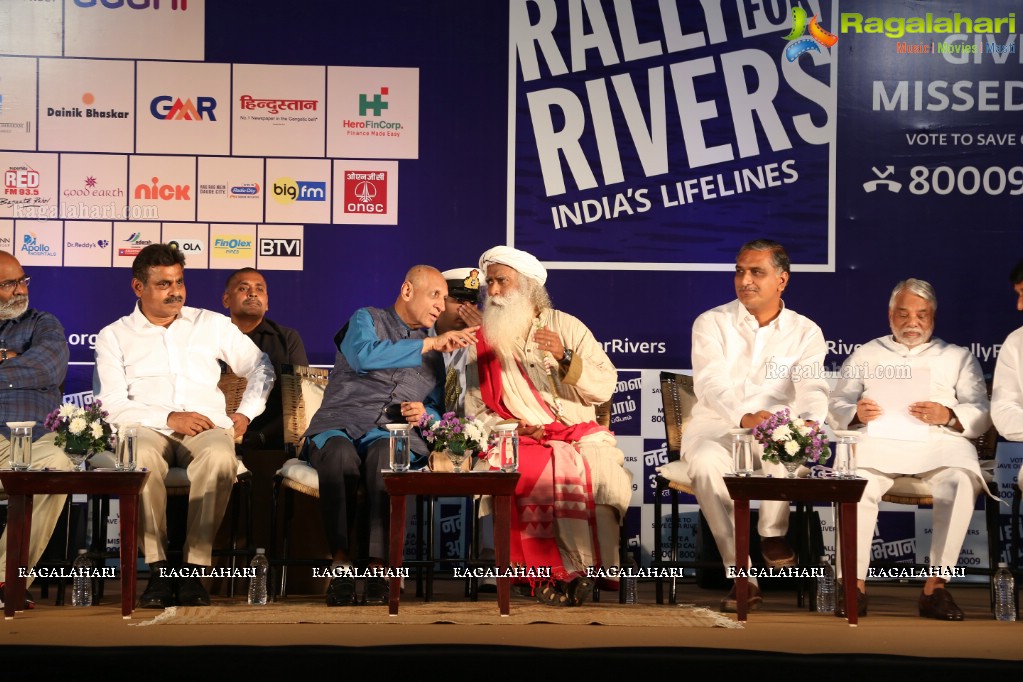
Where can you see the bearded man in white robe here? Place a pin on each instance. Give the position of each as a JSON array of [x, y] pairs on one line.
[[955, 410], [544, 369]]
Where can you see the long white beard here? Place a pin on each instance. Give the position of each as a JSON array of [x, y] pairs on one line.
[[13, 308], [506, 321]]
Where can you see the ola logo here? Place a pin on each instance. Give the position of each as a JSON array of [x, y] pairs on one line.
[[285, 190]]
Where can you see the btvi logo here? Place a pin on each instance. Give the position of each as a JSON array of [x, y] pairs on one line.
[[167, 108], [286, 190], [280, 247]]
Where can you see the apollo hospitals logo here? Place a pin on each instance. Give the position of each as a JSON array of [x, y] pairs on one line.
[[365, 192], [31, 246], [800, 45]]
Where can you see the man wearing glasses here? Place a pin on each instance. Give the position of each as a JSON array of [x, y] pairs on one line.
[[33, 362], [158, 367]]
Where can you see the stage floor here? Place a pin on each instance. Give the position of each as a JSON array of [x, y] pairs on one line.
[[891, 628]]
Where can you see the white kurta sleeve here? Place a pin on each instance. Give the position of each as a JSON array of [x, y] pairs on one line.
[[1007, 393]]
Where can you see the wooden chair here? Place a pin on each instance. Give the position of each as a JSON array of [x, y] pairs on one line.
[[678, 397], [302, 391], [913, 491]]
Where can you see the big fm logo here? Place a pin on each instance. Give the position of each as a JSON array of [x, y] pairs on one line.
[[167, 108], [164, 192], [287, 190], [232, 246], [798, 45], [22, 181], [366, 192], [31, 246]]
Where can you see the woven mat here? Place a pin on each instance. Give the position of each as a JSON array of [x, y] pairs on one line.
[[459, 613]]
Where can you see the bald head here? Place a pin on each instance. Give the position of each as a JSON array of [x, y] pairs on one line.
[[421, 299]]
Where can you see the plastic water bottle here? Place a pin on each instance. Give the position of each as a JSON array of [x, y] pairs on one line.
[[631, 581], [81, 584], [826, 588], [1005, 593], [257, 583]]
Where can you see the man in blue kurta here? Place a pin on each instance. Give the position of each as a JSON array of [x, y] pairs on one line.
[[388, 369]]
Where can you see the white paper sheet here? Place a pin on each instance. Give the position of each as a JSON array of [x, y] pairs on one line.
[[895, 396]]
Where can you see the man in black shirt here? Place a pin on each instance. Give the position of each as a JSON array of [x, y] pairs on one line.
[[245, 295]]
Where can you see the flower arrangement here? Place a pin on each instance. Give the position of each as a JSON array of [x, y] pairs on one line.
[[791, 441], [459, 435], [80, 430]]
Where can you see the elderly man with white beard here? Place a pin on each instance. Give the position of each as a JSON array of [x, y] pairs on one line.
[[955, 410], [544, 369], [33, 362]]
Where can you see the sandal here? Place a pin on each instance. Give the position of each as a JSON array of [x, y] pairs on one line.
[[579, 590], [553, 594]]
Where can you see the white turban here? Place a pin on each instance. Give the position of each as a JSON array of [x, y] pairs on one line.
[[523, 262]]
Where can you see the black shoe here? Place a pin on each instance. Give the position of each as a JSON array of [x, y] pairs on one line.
[[939, 605], [159, 592], [341, 591], [861, 601], [730, 604], [190, 589], [27, 606], [378, 591], [579, 590]]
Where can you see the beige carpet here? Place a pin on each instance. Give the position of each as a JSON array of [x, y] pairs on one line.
[[459, 613]]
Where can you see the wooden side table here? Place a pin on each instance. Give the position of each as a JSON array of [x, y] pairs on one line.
[[20, 486], [498, 484], [845, 492]]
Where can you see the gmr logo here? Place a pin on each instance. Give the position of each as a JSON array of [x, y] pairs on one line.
[[280, 247], [167, 108], [286, 190]]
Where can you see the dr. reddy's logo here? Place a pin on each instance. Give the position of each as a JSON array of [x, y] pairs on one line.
[[800, 45]]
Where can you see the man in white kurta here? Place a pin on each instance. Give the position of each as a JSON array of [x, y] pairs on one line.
[[751, 358], [551, 373], [1007, 390], [954, 410]]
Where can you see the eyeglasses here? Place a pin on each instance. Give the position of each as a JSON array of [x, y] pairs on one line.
[[12, 284]]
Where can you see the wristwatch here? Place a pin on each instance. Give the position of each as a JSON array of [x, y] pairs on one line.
[[567, 360], [952, 421], [3, 354]]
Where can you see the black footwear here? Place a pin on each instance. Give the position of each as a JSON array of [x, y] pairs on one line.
[[553, 593], [861, 601], [27, 606], [341, 591], [579, 590], [190, 589], [776, 552], [378, 591], [753, 599], [940, 606], [159, 592]]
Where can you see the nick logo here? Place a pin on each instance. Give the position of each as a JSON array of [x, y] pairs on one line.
[[286, 190], [167, 108], [798, 45], [165, 192], [377, 104]]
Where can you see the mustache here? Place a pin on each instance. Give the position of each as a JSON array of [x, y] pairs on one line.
[[173, 299]]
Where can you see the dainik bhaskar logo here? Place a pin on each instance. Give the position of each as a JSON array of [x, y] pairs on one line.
[[799, 44]]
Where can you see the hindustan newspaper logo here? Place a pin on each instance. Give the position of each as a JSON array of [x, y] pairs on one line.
[[365, 192], [800, 45]]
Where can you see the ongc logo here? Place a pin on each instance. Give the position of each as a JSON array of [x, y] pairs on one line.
[[286, 190], [167, 108]]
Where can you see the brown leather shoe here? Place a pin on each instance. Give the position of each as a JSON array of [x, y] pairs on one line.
[[861, 601], [753, 601], [777, 552], [939, 606]]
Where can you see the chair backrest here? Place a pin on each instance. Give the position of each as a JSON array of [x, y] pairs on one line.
[[302, 392], [678, 395], [233, 387]]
